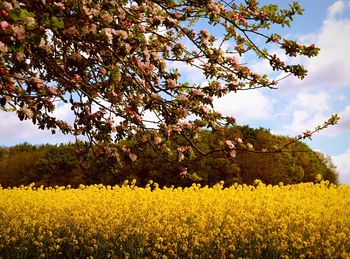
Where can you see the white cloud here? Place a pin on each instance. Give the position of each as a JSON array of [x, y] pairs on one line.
[[63, 112], [303, 120], [336, 8], [342, 162], [344, 123], [245, 105], [306, 111], [330, 68], [14, 131], [317, 102], [189, 73], [151, 118], [308, 117], [345, 118]]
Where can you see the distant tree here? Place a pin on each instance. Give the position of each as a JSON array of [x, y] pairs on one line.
[[62, 165], [298, 163], [332, 174], [109, 59], [24, 147], [3, 162], [3, 153], [17, 163], [59, 166]]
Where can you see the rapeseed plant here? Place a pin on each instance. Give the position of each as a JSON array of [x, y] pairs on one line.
[[304, 220]]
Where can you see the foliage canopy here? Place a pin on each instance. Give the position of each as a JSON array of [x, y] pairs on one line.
[[109, 60]]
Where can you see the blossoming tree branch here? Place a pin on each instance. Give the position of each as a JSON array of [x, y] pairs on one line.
[[109, 60]]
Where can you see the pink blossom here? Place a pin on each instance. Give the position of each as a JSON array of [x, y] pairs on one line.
[[183, 98], [250, 146], [239, 140], [133, 157], [102, 70], [126, 150], [157, 140], [229, 144], [218, 86], [196, 92], [37, 82], [182, 112], [235, 17], [51, 91], [20, 56], [234, 61], [76, 78], [31, 20], [107, 17], [205, 42], [122, 34], [275, 38], [127, 47], [233, 153], [19, 33], [108, 32], [27, 111], [142, 28], [177, 128], [4, 13], [139, 64], [181, 156], [244, 21], [135, 6], [239, 48], [122, 14], [8, 6], [4, 25], [171, 83], [184, 172], [72, 31], [60, 5], [177, 15], [181, 149], [3, 70], [150, 66], [214, 8], [205, 32], [138, 118], [155, 96], [187, 125], [3, 47], [45, 46], [95, 11], [127, 24], [204, 110]]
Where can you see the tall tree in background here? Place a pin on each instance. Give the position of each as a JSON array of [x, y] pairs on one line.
[[108, 60]]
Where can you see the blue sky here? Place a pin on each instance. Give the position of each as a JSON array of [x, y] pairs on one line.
[[293, 108]]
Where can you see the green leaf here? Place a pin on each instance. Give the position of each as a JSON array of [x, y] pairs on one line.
[[57, 23], [23, 14], [14, 15], [45, 19]]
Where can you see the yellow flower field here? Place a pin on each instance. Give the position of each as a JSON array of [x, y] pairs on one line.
[[304, 220]]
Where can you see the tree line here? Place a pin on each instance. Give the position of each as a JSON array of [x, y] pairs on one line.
[[66, 164]]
